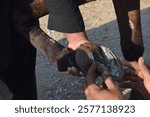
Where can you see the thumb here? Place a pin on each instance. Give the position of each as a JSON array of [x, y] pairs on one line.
[[110, 84], [142, 66]]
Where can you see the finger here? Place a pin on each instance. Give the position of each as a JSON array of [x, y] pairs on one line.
[[87, 94], [128, 63], [128, 72], [132, 64], [73, 71], [86, 91], [125, 62], [109, 83], [91, 90], [132, 70], [143, 67], [69, 71]]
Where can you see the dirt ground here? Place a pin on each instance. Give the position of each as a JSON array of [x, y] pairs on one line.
[[101, 27]]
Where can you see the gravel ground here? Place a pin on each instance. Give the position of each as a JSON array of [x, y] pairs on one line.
[[101, 27]]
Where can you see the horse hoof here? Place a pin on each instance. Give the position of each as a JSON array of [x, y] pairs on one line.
[[105, 59], [66, 60]]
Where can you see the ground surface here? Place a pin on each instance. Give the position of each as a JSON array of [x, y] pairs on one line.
[[101, 27]]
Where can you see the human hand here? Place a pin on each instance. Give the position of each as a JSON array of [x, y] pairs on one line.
[[74, 71], [135, 83], [93, 92], [139, 73]]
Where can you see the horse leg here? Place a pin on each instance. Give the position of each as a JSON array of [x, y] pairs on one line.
[[129, 22]]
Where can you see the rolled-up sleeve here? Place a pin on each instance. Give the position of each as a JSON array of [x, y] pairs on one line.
[[65, 16]]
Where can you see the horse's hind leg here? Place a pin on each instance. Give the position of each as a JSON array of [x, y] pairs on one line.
[[128, 16]]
